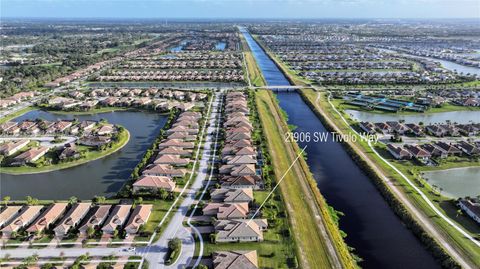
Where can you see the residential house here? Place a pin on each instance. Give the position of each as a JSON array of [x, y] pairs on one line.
[[95, 218], [367, 127], [471, 207], [174, 160], [175, 151], [226, 210], [139, 217], [153, 183], [9, 148], [398, 152], [232, 195], [418, 153], [240, 230], [8, 213], [72, 218], [240, 182], [163, 170], [117, 218], [48, 217], [27, 215], [467, 148], [434, 151], [30, 156], [449, 148], [235, 259]]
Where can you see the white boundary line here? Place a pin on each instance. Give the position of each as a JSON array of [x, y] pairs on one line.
[[424, 197], [197, 232], [147, 249], [274, 188]]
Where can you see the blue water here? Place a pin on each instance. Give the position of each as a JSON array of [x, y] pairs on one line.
[[376, 233], [220, 46], [104, 176]]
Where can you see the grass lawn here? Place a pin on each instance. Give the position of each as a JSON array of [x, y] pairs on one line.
[[160, 208], [444, 204], [89, 156], [312, 248]]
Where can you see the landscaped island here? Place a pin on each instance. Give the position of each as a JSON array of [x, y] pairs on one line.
[[35, 146]]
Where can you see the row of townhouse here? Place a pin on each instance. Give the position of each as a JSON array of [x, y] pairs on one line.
[[150, 92], [63, 218], [230, 204], [437, 149], [16, 99], [201, 75], [60, 127], [407, 77], [438, 130], [193, 56], [173, 155], [182, 64], [470, 206]]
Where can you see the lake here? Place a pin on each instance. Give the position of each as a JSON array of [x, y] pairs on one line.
[[458, 182], [104, 176]]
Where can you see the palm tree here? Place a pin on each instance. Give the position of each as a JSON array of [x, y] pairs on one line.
[[6, 199]]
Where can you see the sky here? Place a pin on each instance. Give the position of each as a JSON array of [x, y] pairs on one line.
[[234, 9]]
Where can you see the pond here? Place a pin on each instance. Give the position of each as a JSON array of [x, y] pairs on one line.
[[457, 182], [220, 46], [104, 176], [441, 117]]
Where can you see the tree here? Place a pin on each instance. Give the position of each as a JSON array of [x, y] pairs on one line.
[[72, 200], [162, 193], [174, 244], [90, 232], [6, 199], [99, 199], [115, 233]]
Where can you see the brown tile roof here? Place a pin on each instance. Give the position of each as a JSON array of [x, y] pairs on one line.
[[235, 259], [49, 216], [155, 182]]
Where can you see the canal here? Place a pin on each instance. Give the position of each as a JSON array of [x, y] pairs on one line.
[[377, 234], [104, 176]]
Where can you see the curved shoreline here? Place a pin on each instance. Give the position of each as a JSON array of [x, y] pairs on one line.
[[73, 164]]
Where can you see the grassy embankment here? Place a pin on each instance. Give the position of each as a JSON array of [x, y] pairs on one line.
[[308, 212], [256, 76], [16, 114], [444, 204], [123, 138], [306, 208]]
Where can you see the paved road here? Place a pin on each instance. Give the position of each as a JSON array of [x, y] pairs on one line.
[[155, 252], [424, 220]]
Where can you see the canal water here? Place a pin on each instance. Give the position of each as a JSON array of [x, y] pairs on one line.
[[104, 176], [377, 234]]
